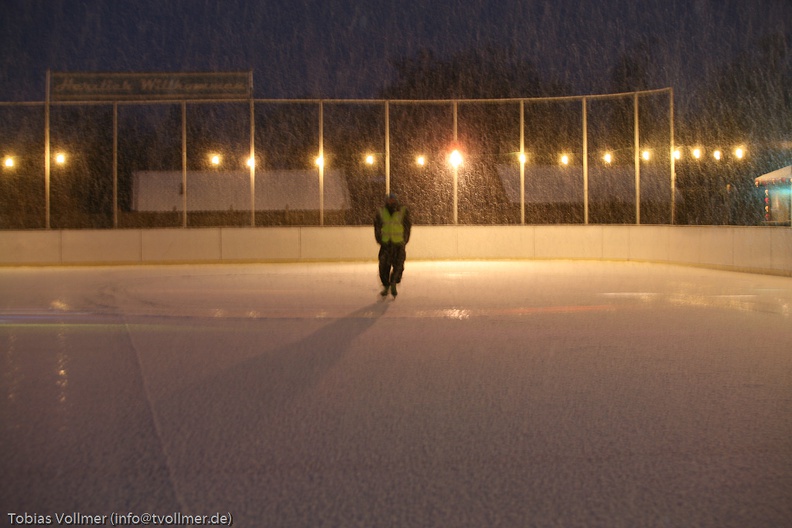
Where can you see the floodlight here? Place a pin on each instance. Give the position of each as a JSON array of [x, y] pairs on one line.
[[455, 159]]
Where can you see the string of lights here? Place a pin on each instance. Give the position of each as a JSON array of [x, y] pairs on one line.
[[696, 154]]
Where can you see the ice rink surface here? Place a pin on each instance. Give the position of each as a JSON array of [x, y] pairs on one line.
[[515, 394]]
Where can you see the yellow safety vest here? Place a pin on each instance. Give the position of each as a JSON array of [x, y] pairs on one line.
[[392, 225]]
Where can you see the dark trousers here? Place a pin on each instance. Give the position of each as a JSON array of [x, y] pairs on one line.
[[391, 263]]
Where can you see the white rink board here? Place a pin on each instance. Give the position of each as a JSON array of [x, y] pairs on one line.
[[751, 249]]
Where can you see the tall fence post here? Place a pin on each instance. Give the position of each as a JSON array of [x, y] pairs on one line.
[[672, 154], [184, 162], [455, 167], [321, 163], [522, 162], [585, 164], [637, 156], [47, 154], [115, 164], [252, 161], [387, 148]]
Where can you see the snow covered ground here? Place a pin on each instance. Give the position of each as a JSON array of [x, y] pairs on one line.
[[536, 393]]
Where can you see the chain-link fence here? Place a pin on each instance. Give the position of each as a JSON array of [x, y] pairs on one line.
[[259, 162]]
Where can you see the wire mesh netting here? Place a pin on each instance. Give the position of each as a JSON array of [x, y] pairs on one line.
[[595, 159]]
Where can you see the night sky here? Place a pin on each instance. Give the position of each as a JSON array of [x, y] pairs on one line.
[[345, 49]]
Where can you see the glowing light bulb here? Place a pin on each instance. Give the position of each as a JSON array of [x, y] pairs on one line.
[[455, 159]]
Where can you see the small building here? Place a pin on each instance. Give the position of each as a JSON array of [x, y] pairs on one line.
[[291, 194], [777, 186], [558, 184]]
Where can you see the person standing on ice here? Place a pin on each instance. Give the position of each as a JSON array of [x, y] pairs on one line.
[[392, 230]]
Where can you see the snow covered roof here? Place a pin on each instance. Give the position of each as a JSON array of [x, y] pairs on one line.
[[777, 177]]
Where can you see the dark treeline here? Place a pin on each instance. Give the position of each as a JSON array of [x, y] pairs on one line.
[[748, 102]]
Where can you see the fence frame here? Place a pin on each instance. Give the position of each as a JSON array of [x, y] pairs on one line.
[[387, 104]]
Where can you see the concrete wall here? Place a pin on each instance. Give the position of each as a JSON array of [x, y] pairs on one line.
[[751, 249]]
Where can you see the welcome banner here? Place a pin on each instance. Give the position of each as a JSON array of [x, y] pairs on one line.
[[149, 86]]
